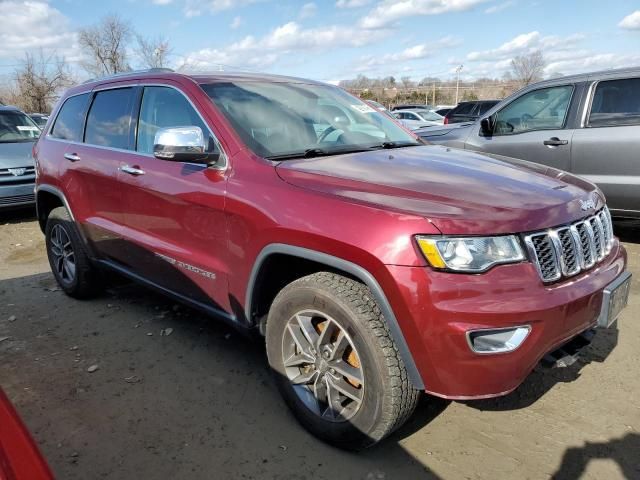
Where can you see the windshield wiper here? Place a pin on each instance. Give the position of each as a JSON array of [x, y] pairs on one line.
[[314, 152], [387, 145]]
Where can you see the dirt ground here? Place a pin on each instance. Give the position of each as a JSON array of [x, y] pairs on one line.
[[199, 403]]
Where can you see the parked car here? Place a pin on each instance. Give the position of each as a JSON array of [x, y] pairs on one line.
[[379, 107], [19, 455], [586, 124], [406, 106], [375, 266], [468, 111], [18, 133], [40, 119], [415, 119]]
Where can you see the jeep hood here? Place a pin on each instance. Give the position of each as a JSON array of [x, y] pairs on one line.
[[16, 154], [460, 192]]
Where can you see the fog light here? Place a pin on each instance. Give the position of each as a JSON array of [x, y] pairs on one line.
[[498, 340]]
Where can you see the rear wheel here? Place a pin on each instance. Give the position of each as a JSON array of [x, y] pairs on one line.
[[68, 259], [335, 362]]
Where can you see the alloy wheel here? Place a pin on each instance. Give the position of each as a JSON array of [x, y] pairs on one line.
[[323, 365], [63, 256]]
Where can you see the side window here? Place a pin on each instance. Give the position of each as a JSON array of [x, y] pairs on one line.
[[616, 102], [542, 109], [464, 109], [411, 116], [484, 107], [109, 118], [399, 115], [68, 124], [164, 107]]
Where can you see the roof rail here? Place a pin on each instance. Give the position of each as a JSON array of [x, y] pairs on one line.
[[130, 72]]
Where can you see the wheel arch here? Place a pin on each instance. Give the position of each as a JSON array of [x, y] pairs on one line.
[[338, 265], [49, 197]]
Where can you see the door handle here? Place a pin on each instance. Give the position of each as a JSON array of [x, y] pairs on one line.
[[131, 170], [555, 142], [72, 157]]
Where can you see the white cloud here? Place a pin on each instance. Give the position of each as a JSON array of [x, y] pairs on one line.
[[500, 7], [262, 52], [390, 11], [162, 2], [588, 61], [236, 23], [352, 3], [28, 26], [308, 10], [194, 8], [631, 21], [416, 52], [526, 43]]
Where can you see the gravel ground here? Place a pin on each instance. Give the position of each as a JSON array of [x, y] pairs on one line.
[[173, 394]]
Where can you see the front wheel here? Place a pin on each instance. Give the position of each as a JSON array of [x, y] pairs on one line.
[[335, 362]]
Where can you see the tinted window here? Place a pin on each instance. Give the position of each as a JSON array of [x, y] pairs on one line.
[[538, 110], [485, 107], [164, 107], [616, 102], [463, 109], [68, 125], [109, 118]]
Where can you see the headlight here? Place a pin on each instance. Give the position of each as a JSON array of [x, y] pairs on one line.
[[470, 254]]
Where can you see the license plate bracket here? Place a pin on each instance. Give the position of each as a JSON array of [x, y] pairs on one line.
[[614, 299]]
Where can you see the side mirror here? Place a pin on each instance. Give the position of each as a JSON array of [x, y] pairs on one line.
[[182, 144], [487, 126]]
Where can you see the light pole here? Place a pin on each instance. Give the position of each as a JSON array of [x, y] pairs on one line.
[[458, 81]]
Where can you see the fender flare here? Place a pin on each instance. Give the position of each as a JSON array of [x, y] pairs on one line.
[[45, 187], [357, 271]]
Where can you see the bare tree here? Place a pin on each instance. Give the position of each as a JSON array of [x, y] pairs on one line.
[[105, 45], [527, 69], [407, 82], [38, 81], [153, 52]]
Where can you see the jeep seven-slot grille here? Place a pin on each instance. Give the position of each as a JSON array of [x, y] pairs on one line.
[[565, 251]]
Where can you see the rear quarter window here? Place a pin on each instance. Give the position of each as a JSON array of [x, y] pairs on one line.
[[616, 102], [70, 120], [463, 109]]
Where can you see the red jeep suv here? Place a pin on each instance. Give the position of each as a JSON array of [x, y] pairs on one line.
[[374, 265]]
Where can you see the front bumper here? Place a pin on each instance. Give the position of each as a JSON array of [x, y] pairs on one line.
[[437, 309], [17, 195]]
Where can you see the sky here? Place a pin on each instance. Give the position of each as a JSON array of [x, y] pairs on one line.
[[330, 40]]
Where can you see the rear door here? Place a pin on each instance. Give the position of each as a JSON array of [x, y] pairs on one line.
[[532, 127], [606, 150], [175, 224], [91, 176]]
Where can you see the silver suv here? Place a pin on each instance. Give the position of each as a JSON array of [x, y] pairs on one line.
[[585, 124]]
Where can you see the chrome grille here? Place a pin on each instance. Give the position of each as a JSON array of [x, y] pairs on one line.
[[6, 172], [565, 251]]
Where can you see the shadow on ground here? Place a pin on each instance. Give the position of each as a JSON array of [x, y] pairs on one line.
[[197, 403]]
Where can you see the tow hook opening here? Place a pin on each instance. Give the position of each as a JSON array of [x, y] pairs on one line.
[[568, 354], [498, 340]]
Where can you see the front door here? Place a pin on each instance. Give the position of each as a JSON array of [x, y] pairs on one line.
[[174, 211], [532, 127]]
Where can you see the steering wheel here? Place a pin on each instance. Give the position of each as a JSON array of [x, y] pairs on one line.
[[327, 131]]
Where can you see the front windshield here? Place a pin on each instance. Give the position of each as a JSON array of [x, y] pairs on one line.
[[296, 119], [17, 127]]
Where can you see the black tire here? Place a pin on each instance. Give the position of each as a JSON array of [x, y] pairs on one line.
[[85, 281], [387, 398]]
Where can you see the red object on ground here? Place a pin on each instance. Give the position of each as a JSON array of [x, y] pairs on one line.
[[20, 458]]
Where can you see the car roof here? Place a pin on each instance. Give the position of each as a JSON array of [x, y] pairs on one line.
[[9, 108]]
